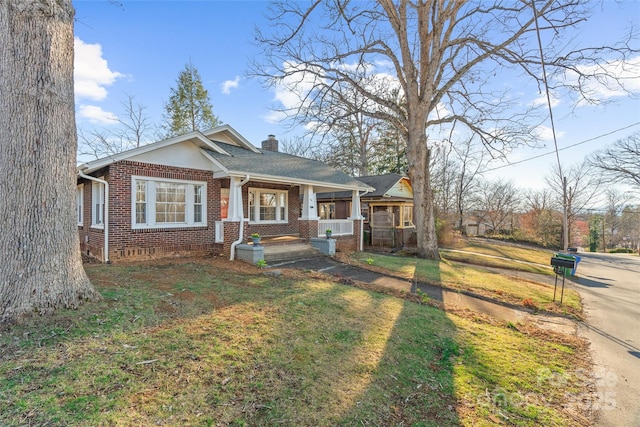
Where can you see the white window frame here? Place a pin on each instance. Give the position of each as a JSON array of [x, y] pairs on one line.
[[80, 204], [327, 210], [150, 203], [97, 204], [282, 206], [407, 216]]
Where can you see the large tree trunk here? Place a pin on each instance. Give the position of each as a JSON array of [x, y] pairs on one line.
[[423, 210], [41, 268]]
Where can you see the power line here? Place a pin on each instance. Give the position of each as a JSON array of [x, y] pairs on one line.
[[563, 148]]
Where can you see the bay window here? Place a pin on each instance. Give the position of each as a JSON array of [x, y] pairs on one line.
[[161, 203]]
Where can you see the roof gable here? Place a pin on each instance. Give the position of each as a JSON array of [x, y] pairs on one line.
[[228, 135], [227, 153], [387, 185], [197, 138]]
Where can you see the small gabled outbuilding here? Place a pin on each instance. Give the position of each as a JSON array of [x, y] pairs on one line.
[[387, 210]]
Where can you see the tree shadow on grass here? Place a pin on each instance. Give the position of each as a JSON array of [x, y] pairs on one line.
[[196, 344], [192, 344]]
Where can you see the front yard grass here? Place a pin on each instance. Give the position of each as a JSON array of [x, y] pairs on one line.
[[203, 342], [475, 279], [503, 249]]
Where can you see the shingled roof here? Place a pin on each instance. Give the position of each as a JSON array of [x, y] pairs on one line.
[[280, 165], [381, 183]]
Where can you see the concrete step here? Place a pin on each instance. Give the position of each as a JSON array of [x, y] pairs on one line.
[[279, 253]]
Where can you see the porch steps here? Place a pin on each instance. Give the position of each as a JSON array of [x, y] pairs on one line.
[[290, 251]]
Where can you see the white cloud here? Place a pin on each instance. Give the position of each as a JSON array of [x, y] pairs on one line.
[[545, 133], [95, 114], [228, 85], [603, 88], [91, 72], [292, 90], [542, 100]]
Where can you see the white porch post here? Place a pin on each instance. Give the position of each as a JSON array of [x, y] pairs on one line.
[[356, 212], [235, 200], [309, 209], [356, 215]]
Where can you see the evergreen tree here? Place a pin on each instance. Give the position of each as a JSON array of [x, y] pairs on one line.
[[189, 107]]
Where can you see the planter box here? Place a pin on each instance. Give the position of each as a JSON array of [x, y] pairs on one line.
[[249, 253], [326, 246]]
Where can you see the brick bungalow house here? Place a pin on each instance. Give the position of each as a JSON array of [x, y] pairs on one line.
[[387, 210], [205, 193]]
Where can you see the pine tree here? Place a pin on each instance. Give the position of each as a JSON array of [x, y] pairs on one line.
[[189, 107]]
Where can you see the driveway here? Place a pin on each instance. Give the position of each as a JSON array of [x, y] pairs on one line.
[[610, 288]]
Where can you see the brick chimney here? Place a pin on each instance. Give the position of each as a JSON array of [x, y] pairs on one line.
[[270, 144]]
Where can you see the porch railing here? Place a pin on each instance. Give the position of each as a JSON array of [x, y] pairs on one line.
[[338, 227]]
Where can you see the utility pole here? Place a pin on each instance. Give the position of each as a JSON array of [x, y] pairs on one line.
[[565, 215], [604, 243]]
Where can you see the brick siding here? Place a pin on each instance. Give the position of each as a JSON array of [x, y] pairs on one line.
[[128, 243]]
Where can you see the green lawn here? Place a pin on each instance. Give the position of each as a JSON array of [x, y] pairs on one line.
[[200, 342], [472, 278], [504, 249]]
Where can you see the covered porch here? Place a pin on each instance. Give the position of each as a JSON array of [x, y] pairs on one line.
[[283, 214]]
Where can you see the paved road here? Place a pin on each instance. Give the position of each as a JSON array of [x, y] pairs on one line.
[[610, 288]]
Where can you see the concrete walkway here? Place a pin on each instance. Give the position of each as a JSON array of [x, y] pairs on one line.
[[450, 299]]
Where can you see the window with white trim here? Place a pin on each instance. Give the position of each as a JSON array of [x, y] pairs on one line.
[[327, 210], [407, 216], [266, 205], [167, 203], [97, 204], [80, 204]]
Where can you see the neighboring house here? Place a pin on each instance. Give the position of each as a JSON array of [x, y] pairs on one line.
[[387, 211], [204, 193]]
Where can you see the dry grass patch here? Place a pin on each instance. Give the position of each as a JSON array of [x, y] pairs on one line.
[[499, 286], [503, 249], [205, 342]]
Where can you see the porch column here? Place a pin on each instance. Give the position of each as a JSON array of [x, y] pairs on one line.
[[309, 215], [309, 208], [356, 217], [235, 229], [235, 201], [356, 212]]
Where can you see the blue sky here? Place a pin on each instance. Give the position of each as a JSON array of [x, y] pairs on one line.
[[139, 49]]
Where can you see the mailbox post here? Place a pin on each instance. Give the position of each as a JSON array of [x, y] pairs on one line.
[[559, 266]]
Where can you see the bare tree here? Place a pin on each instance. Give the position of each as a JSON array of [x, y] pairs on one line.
[[131, 129], [471, 161], [422, 65], [620, 163], [542, 218], [617, 201], [41, 268], [353, 144], [301, 147], [497, 201], [583, 190], [443, 170], [630, 227]]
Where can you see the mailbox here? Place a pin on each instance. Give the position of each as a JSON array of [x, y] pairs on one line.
[[563, 262]]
